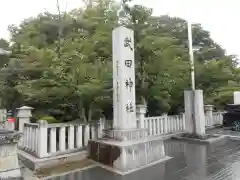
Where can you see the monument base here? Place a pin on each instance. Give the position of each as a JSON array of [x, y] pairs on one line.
[[127, 156], [9, 166]]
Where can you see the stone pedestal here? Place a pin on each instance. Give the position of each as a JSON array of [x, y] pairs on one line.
[[125, 157], [9, 167], [24, 115], [194, 112]]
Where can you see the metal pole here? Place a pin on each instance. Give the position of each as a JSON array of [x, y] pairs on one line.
[[190, 45]]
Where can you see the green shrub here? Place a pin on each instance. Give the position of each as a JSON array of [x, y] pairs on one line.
[[49, 119]]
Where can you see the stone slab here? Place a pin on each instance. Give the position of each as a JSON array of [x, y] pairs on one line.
[[127, 156], [34, 163], [190, 162], [206, 141], [9, 166]]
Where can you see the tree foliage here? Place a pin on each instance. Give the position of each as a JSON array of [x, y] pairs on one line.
[[61, 64]]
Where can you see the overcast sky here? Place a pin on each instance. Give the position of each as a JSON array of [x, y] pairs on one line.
[[220, 17]]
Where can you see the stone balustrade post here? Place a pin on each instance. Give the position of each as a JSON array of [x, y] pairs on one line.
[[42, 138], [101, 126], [209, 113], [24, 114], [141, 112], [166, 123], [183, 121]]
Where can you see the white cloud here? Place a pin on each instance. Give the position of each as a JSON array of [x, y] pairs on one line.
[[220, 17]]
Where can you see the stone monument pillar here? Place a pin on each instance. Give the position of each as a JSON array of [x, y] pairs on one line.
[[24, 115], [126, 147], [236, 97], [124, 79], [9, 167], [194, 112], [124, 100]]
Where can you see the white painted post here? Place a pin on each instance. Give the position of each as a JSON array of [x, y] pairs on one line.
[[34, 139], [42, 138], [141, 112], [161, 125], [79, 136], [183, 121], [30, 138], [101, 126], [24, 114], [209, 113], [23, 141], [53, 140], [150, 126], [26, 137], [62, 138], [165, 120], [71, 137], [86, 134], [158, 126]]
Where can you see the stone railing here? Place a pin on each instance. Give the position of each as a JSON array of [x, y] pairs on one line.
[[164, 124], [46, 140], [216, 118], [159, 125]]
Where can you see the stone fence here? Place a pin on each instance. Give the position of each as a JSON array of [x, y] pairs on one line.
[[165, 124], [45, 140]]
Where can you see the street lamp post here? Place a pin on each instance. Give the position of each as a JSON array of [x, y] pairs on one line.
[[191, 56], [192, 70], [195, 112]]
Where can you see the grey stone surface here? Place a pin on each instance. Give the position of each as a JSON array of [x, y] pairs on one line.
[[223, 131], [9, 166], [125, 156], [190, 162]]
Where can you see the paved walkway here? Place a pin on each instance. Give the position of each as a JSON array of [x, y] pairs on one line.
[[223, 131], [189, 162]]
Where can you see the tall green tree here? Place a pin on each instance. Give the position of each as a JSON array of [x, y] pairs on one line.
[[61, 64]]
